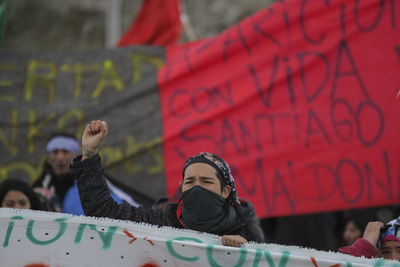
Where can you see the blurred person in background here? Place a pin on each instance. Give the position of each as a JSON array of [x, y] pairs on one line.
[[55, 179], [18, 194], [355, 225]]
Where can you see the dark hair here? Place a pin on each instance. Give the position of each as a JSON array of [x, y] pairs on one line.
[[360, 218], [221, 180], [19, 185], [223, 172], [198, 159]]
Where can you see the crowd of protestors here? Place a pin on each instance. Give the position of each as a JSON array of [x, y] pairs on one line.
[[208, 203]]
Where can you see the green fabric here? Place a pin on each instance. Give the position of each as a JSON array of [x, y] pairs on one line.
[[3, 9]]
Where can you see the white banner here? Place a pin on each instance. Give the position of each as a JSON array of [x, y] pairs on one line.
[[42, 239]]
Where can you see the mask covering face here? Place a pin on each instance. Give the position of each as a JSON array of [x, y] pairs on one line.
[[206, 211]]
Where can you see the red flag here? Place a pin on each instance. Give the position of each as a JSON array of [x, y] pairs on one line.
[[158, 23]]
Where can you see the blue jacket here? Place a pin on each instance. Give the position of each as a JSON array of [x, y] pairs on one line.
[[72, 202]]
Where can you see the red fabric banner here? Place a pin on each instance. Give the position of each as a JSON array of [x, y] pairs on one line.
[[158, 23], [303, 101]]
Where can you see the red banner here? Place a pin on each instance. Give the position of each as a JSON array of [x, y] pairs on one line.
[[303, 101]]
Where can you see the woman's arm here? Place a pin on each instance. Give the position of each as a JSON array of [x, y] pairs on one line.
[[95, 197]]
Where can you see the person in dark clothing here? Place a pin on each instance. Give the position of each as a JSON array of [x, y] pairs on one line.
[[209, 200], [17, 194], [55, 180]]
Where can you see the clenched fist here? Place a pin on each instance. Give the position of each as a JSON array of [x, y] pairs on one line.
[[92, 137]]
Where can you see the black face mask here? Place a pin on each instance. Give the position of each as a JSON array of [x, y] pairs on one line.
[[206, 211]]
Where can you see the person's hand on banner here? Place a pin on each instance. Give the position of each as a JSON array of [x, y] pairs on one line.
[[233, 240], [372, 232], [92, 137]]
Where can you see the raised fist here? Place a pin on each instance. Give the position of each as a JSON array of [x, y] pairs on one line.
[[92, 137]]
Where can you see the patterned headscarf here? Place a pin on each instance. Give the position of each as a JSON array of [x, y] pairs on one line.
[[390, 232], [222, 168]]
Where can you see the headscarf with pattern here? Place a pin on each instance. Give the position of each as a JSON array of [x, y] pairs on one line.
[[222, 168], [390, 232]]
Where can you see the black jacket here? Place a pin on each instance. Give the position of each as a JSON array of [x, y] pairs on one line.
[[96, 201], [59, 185], [52, 188]]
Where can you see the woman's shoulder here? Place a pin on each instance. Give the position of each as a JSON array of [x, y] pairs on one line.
[[246, 207]]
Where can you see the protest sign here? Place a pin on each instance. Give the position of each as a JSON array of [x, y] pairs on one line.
[[43, 239], [302, 99], [42, 93]]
